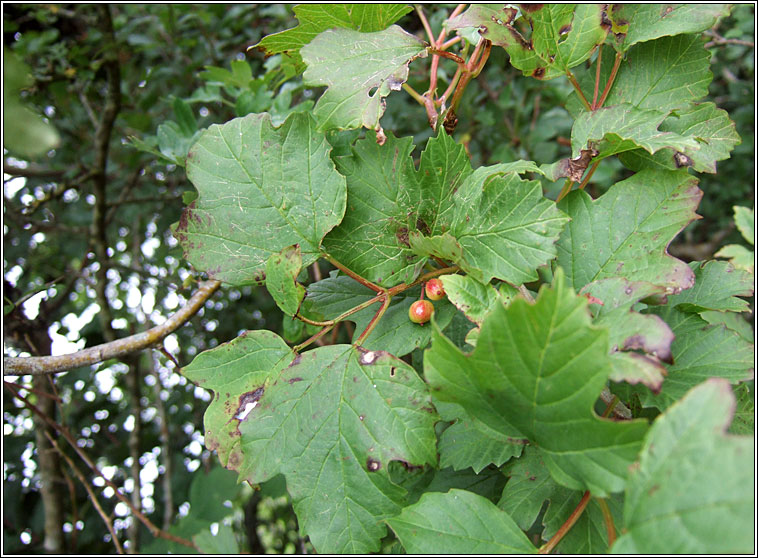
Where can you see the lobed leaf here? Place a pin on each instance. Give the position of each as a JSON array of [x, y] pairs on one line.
[[717, 286], [630, 331], [620, 128], [506, 228], [625, 232], [700, 351], [663, 74], [359, 70], [643, 22], [471, 443], [237, 372], [535, 369], [563, 35], [693, 491], [470, 296], [260, 189], [315, 18]]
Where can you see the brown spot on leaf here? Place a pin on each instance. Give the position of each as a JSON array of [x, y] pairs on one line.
[[293, 380], [295, 361], [538, 73], [373, 465], [402, 236], [564, 30], [530, 8], [682, 160]]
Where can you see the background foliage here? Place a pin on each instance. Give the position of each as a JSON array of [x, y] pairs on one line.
[[89, 254]]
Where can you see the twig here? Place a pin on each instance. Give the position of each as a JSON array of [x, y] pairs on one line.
[[63, 431], [548, 547], [597, 76], [90, 493], [608, 520], [372, 324], [18, 366], [32, 171], [578, 90], [611, 79], [589, 175], [618, 408]]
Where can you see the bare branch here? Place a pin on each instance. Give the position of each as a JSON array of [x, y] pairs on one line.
[[19, 366]]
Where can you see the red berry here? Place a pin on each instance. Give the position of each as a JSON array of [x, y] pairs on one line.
[[421, 311], [435, 290]]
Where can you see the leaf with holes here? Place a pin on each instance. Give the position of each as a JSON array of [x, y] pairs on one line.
[[359, 70], [260, 189], [315, 18], [616, 129], [330, 422], [237, 373], [535, 369]]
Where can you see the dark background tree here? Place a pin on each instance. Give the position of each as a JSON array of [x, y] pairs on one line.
[[89, 256]]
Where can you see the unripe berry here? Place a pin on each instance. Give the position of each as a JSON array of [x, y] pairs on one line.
[[435, 290], [421, 311]]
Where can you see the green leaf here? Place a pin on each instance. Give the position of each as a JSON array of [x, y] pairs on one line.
[[563, 35], [458, 522], [619, 128], [223, 542], [261, 189], [744, 414], [714, 131], [507, 229], [388, 199], [630, 331], [471, 443], [693, 491], [731, 320], [359, 70], [315, 18], [739, 256], [488, 483], [535, 369], [394, 333], [709, 126], [331, 422], [643, 22], [625, 232], [237, 372], [282, 270], [184, 117], [717, 286], [744, 218], [25, 133], [530, 485], [700, 351], [663, 74], [470, 296]]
